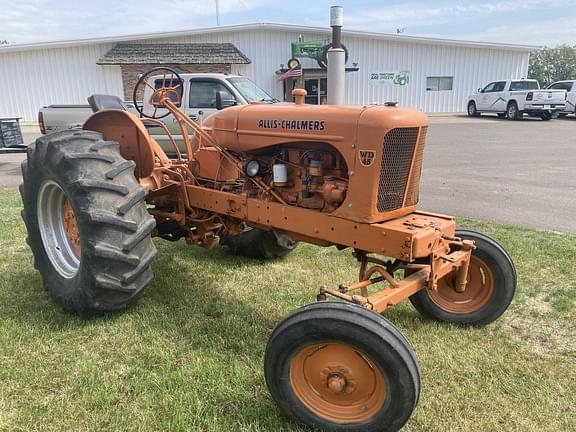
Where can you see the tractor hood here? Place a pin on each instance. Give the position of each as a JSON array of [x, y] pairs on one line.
[[253, 127]]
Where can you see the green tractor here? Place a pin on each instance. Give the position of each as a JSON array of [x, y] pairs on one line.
[[317, 50]]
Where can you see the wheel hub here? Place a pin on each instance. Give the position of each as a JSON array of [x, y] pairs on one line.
[[338, 379], [71, 227], [479, 289], [337, 382]]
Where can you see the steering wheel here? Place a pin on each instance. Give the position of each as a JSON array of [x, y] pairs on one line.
[[169, 84]]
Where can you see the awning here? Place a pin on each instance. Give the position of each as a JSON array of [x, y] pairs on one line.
[[177, 53]]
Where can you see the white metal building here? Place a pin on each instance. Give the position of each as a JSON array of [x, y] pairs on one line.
[[435, 75]]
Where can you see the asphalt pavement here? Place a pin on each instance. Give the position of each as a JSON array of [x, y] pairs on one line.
[[10, 160], [522, 173], [517, 172]]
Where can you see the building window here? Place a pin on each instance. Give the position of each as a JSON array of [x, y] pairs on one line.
[[439, 83], [317, 89]]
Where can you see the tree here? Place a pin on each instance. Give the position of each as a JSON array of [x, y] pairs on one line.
[[553, 64]]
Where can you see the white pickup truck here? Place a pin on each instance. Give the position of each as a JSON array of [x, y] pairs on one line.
[[198, 100], [570, 87], [513, 98], [54, 118]]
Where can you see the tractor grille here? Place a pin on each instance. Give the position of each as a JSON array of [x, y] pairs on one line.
[[413, 191], [397, 155]]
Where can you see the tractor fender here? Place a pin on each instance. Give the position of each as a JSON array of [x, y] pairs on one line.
[[129, 131]]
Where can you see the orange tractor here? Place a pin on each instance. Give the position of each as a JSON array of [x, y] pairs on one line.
[[259, 178]]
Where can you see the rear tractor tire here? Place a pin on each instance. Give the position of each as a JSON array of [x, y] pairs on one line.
[[259, 244], [489, 291], [88, 226], [340, 367]]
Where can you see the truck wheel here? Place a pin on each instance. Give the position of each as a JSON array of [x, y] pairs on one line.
[[490, 289], [259, 244], [87, 222], [472, 109], [546, 116], [512, 112], [340, 367]]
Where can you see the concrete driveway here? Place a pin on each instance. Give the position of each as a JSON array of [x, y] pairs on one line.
[[521, 173]]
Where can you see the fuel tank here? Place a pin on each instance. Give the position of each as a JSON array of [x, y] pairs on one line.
[[253, 127]]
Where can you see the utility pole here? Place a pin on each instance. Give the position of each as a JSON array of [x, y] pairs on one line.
[[217, 13]]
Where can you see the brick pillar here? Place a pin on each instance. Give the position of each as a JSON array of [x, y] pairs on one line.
[[130, 73]]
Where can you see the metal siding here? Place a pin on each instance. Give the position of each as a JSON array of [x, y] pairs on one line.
[[34, 78], [470, 68]]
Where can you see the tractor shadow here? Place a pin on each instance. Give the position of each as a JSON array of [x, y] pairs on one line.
[[179, 293], [192, 283], [189, 285]]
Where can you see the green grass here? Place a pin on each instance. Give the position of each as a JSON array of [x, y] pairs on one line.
[[188, 357]]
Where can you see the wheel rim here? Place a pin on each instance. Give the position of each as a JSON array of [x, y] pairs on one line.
[[511, 110], [338, 382], [471, 109], [477, 294], [58, 229]]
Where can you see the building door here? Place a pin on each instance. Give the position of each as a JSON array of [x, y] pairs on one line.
[[317, 89]]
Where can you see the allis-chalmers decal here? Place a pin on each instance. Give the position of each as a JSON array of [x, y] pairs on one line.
[[366, 157], [313, 125]]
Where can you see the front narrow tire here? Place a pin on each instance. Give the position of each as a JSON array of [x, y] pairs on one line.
[[88, 226], [489, 292], [340, 367]]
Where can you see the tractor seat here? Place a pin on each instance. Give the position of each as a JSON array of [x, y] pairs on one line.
[[101, 102]]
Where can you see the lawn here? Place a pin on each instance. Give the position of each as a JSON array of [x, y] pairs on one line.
[[188, 357]]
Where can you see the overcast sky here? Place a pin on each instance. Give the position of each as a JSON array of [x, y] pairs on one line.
[[533, 22]]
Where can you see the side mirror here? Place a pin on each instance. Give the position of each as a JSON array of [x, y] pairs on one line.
[[222, 102], [480, 90]]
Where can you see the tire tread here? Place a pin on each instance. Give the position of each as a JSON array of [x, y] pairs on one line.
[[117, 250]]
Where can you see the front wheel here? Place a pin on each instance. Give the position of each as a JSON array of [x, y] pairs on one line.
[[489, 291], [472, 109], [340, 367]]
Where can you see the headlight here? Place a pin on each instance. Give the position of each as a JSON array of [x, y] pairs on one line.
[[251, 167]]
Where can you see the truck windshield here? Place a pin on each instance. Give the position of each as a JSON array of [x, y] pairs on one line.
[[250, 91], [524, 85]]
